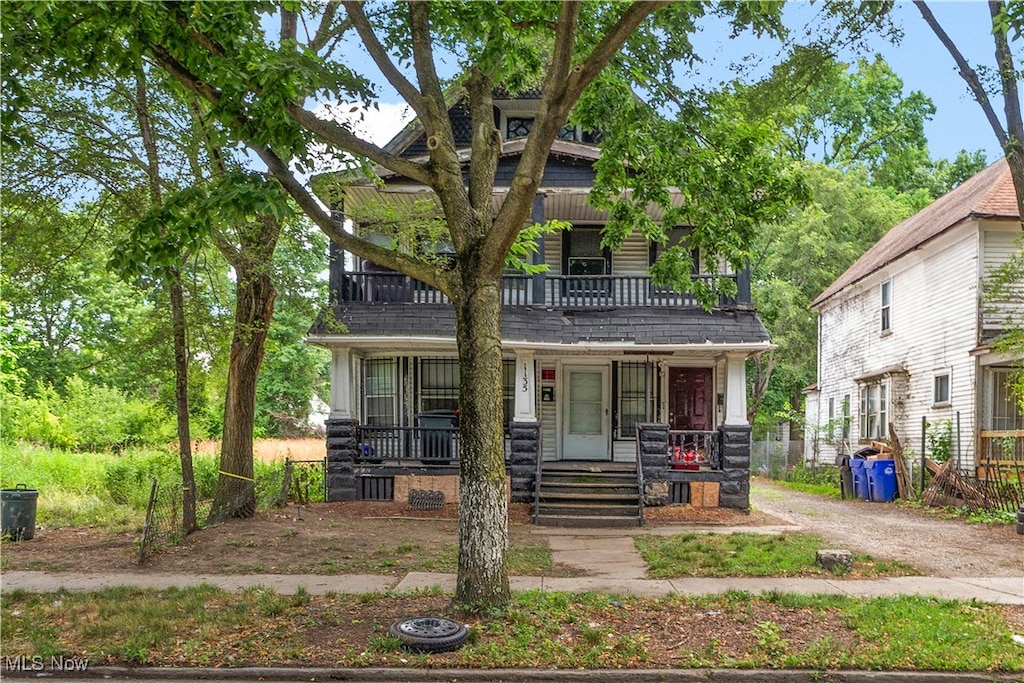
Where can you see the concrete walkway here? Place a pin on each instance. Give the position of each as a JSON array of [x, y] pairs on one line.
[[608, 557], [1002, 590]]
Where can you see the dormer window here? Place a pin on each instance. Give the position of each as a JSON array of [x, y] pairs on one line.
[[519, 127]]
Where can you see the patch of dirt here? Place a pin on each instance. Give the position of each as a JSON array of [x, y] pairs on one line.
[[671, 515], [887, 531], [324, 538]]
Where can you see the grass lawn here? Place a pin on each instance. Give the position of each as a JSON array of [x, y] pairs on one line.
[[748, 554], [205, 626]]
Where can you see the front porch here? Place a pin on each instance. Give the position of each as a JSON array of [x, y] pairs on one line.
[[405, 459]]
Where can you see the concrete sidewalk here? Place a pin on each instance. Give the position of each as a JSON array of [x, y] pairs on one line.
[[1003, 590]]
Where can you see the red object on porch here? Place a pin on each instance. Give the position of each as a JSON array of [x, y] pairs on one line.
[[685, 460]]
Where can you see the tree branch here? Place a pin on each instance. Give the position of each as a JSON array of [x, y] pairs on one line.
[[381, 58], [328, 131], [324, 32], [347, 241], [562, 88], [966, 72]]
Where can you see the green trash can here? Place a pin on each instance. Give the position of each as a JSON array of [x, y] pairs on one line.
[[18, 513]]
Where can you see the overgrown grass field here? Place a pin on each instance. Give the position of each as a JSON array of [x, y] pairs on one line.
[[107, 489]]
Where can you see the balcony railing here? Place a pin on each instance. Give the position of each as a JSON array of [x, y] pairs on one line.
[[694, 450], [556, 291], [426, 446]]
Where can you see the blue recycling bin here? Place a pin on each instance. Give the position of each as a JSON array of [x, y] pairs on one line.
[[881, 476], [859, 471]]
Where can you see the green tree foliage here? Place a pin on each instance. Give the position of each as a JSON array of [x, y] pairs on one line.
[[1004, 293], [256, 76], [861, 142], [799, 259], [1001, 80]]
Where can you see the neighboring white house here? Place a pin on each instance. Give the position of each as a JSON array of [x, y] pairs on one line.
[[903, 333]]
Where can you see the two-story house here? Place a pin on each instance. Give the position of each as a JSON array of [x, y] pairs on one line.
[[595, 353], [904, 335]]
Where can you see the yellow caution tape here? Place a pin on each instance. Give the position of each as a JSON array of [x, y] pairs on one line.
[[236, 476]]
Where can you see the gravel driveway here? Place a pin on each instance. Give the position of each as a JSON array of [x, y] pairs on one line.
[[938, 547]]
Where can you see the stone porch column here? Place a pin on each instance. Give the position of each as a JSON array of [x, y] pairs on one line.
[[735, 434]]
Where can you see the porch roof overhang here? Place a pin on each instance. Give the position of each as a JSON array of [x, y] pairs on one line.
[[987, 355], [381, 344], [883, 372], [617, 330]]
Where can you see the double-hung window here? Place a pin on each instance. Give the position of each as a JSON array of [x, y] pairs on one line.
[[940, 389], [874, 411], [379, 391], [885, 296]]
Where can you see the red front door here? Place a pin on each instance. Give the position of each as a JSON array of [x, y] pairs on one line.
[[689, 399]]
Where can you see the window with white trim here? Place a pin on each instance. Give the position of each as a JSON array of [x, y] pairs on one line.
[[940, 389], [846, 417], [885, 296], [874, 411]]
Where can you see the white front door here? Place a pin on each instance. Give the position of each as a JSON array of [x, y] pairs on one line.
[[586, 422]]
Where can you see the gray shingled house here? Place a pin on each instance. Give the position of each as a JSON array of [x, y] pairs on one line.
[[617, 393]]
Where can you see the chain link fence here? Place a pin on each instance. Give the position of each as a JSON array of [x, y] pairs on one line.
[[299, 481]]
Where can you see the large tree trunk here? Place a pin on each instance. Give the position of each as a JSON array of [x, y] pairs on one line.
[[254, 307], [188, 479], [483, 501]]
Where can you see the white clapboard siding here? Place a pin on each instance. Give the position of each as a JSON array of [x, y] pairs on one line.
[[934, 321], [998, 247]]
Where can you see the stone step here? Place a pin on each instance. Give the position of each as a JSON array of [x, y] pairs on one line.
[[588, 466], [591, 522], [596, 486], [630, 496], [547, 509]]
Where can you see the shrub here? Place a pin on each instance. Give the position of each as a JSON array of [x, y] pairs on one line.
[[35, 419]]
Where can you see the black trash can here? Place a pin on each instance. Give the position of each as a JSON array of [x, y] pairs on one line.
[[18, 513], [845, 476], [437, 435]]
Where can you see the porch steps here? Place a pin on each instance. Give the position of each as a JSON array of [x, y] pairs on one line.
[[588, 494]]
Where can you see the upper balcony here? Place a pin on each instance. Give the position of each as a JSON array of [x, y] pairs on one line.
[[545, 290]]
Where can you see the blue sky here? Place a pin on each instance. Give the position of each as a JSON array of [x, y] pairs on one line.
[[920, 60]]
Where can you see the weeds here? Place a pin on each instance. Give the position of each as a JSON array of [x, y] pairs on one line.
[[745, 554], [205, 626]]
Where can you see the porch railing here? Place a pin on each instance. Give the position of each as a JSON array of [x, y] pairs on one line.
[[426, 446], [694, 450], [1000, 455], [557, 291]]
